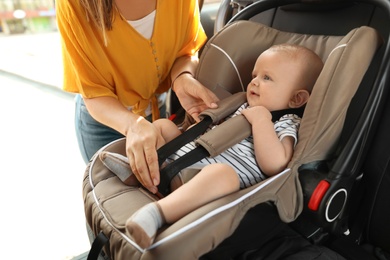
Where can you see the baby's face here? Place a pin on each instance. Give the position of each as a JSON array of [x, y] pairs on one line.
[[275, 78]]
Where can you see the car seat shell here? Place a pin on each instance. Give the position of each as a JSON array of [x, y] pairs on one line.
[[101, 196]]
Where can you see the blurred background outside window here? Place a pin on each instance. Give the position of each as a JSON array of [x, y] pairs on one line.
[[19, 16]]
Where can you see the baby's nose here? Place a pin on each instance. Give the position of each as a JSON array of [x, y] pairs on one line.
[[254, 82]]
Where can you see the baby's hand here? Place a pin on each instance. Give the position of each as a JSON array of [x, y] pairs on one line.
[[257, 113]]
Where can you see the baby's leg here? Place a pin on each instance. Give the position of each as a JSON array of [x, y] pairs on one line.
[[167, 128], [144, 223], [213, 182]]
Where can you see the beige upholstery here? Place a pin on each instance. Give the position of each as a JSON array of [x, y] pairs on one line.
[[225, 67]]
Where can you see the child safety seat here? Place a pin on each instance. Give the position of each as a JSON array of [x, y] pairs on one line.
[[327, 183], [226, 69]]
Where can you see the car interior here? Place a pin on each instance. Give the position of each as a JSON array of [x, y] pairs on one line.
[[344, 174], [360, 230]]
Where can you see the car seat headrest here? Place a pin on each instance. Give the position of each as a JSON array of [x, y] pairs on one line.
[[337, 84], [228, 58]]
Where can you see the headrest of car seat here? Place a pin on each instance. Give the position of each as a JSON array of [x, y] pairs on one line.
[[228, 58], [337, 84]]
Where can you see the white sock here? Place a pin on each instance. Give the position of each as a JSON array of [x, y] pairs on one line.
[[144, 223]]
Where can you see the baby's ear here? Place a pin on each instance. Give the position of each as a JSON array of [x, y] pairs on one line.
[[299, 98]]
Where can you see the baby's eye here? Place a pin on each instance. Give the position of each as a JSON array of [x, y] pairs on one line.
[[266, 77]]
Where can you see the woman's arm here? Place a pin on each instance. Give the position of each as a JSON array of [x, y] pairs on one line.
[[193, 96], [142, 137]]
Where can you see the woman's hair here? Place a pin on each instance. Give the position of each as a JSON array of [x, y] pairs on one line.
[[101, 12]]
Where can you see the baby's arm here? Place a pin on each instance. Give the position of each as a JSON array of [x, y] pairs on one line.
[[271, 153]]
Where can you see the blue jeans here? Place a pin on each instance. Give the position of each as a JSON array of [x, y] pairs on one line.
[[92, 135]]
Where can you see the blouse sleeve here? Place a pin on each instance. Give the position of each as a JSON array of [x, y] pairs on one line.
[[79, 47], [196, 35]]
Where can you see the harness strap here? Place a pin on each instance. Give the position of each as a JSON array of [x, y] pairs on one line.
[[100, 241], [206, 143]]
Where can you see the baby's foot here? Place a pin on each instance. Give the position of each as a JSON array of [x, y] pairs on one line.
[[144, 223], [139, 235], [120, 166]]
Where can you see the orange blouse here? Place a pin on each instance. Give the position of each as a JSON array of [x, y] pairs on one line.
[[130, 68]]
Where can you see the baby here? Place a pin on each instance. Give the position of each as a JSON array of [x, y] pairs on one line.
[[282, 78]]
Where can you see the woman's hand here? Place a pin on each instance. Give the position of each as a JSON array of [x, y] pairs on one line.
[[142, 140], [142, 137], [193, 96]]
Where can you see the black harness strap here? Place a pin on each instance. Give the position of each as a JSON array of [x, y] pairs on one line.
[[170, 171], [100, 241], [191, 134], [276, 115]]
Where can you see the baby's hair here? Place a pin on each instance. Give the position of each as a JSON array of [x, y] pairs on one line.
[[293, 50], [311, 62]]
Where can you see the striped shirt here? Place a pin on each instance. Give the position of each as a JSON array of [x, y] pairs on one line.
[[241, 156]]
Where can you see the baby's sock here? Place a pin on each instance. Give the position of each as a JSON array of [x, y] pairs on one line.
[[144, 223]]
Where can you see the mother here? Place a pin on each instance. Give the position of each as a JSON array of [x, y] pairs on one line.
[[121, 56]]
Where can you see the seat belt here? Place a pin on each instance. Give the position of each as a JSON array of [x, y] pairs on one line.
[[209, 144], [100, 241], [201, 151]]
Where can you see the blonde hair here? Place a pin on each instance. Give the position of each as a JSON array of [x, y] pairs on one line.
[[310, 61], [102, 14]]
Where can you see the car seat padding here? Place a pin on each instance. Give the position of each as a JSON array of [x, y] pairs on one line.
[[225, 67]]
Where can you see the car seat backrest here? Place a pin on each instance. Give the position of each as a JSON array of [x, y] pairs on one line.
[[226, 66], [340, 17], [326, 17], [335, 87], [227, 61], [327, 184]]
